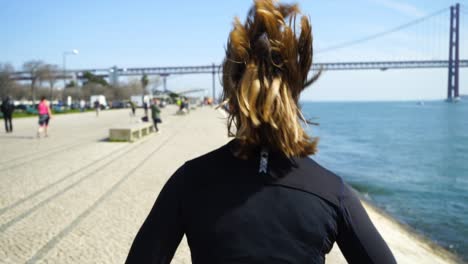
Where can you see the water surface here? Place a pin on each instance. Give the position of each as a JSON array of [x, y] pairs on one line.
[[409, 159]]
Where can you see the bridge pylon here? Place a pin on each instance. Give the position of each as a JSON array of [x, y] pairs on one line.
[[454, 54], [213, 77]]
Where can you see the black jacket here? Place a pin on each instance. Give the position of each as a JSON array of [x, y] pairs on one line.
[[231, 213], [7, 107]]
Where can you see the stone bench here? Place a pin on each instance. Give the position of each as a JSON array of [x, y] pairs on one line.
[[130, 132]]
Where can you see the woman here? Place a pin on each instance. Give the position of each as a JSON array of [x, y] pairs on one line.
[[45, 114], [262, 200]]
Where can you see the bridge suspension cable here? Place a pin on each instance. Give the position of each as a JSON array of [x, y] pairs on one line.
[[380, 34]]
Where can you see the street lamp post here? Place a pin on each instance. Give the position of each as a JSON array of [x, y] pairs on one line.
[[73, 52]]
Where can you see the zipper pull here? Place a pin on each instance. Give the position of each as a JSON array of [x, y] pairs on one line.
[[263, 161]]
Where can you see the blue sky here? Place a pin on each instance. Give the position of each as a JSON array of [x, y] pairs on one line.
[[183, 32]]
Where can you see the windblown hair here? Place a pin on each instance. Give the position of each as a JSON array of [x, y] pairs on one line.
[[264, 72]]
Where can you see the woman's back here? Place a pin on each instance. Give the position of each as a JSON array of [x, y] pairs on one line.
[[232, 213]]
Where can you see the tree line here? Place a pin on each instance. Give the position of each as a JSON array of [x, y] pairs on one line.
[[45, 80]]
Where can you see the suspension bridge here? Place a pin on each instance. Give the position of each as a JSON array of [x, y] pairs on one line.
[[435, 43]]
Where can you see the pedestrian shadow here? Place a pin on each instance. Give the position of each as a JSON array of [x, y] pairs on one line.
[[180, 114], [17, 137]]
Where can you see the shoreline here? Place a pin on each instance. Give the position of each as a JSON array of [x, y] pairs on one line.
[[406, 244], [412, 232]]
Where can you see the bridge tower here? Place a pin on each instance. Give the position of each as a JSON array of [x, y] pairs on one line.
[[454, 54], [114, 76], [164, 76], [213, 77]]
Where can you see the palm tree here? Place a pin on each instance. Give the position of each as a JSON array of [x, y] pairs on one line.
[[144, 82]]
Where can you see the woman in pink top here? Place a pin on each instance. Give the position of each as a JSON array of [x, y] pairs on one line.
[[45, 114]]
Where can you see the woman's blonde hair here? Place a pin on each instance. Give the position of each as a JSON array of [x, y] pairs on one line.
[[264, 72]]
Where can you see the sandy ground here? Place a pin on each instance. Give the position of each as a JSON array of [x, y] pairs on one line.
[[75, 198]]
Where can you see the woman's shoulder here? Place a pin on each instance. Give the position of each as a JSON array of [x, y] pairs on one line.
[[311, 177], [214, 167], [211, 159]]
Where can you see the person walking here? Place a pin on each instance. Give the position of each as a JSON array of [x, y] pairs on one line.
[[260, 198], [82, 105], [45, 114], [97, 107], [186, 105], [156, 114], [7, 110], [145, 108], [132, 105]]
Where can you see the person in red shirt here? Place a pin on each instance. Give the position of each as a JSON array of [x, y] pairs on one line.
[[45, 114]]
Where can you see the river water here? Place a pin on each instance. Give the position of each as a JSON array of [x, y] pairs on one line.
[[408, 158]]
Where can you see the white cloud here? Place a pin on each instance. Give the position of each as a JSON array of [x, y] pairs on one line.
[[403, 8]]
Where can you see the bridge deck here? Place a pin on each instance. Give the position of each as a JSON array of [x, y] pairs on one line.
[[210, 69]]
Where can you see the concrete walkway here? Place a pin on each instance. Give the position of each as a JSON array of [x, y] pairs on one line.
[[75, 198]]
